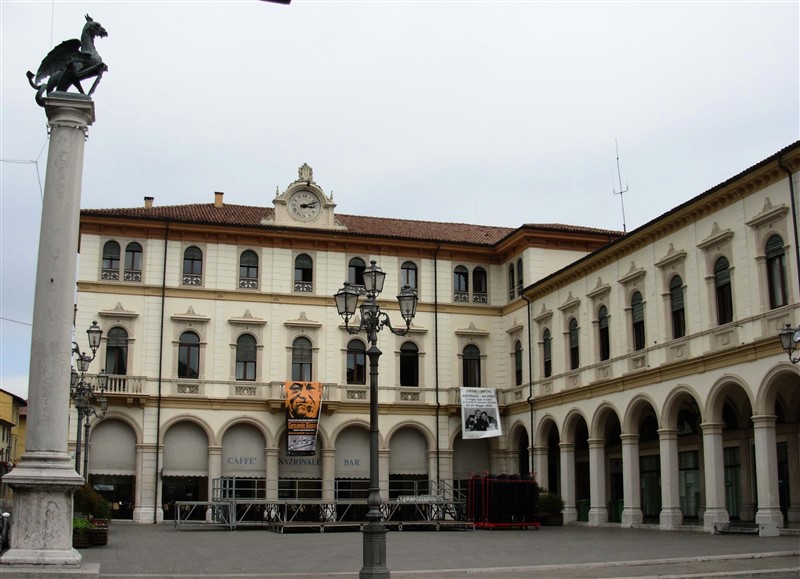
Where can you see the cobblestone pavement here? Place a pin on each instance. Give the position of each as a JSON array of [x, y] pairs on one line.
[[573, 551]]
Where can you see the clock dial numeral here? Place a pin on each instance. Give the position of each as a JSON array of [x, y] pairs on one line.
[[304, 206]]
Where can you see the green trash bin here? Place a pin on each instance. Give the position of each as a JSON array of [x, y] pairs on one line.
[[583, 510]]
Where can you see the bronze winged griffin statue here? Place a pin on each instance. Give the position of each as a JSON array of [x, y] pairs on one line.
[[71, 62]]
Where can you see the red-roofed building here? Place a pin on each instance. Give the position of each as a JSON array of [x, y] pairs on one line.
[[209, 308]]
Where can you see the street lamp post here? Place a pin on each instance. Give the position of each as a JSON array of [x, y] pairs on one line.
[[790, 338], [372, 321], [82, 392]]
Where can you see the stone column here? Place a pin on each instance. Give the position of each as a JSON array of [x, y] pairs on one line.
[[631, 481], [768, 516], [598, 511], [145, 502], [568, 481], [671, 515], [793, 447], [540, 466], [45, 479], [714, 471]]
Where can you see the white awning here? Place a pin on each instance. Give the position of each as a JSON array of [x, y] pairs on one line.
[[408, 453], [243, 452], [185, 450], [352, 453], [112, 448]]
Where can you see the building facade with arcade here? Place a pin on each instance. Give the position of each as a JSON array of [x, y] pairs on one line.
[[638, 375]]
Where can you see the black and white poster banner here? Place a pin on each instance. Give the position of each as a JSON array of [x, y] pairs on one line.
[[480, 416]]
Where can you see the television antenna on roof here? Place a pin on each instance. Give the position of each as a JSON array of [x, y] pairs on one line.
[[621, 190]]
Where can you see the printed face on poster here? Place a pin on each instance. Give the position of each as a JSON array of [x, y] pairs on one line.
[[303, 403], [480, 415]]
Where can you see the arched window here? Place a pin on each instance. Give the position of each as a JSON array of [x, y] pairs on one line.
[[574, 346], [677, 307], [110, 261], [776, 272], [133, 262], [189, 355], [408, 274], [246, 357], [603, 336], [547, 353], [409, 364], [479, 286], [472, 366], [518, 363], [193, 266], [355, 271], [248, 270], [460, 284], [512, 286], [724, 295], [637, 319], [356, 362], [301, 360], [117, 352], [303, 273], [519, 277]]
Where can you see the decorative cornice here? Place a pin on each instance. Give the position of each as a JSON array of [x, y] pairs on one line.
[[472, 331], [302, 322], [716, 236], [247, 319], [634, 274], [769, 213], [671, 257], [190, 316], [118, 312]]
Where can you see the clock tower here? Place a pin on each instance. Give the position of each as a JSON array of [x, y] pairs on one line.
[[304, 204]]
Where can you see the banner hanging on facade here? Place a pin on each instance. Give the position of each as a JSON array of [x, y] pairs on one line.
[[303, 403], [480, 416]]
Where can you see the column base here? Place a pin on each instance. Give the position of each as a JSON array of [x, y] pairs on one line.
[[769, 521], [43, 483], [598, 516], [711, 516], [670, 518], [632, 516], [570, 515], [144, 515]]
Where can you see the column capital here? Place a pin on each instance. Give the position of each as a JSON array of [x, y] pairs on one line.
[[712, 427], [763, 420], [597, 442], [629, 438], [69, 110], [568, 446], [667, 433]]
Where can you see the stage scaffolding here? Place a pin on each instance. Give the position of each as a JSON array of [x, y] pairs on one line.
[[242, 502]]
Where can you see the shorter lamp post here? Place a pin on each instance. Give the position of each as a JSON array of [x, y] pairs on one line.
[[82, 392], [372, 321], [790, 338]]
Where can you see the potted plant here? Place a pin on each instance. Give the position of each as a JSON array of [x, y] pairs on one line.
[[551, 507], [80, 533], [92, 507]]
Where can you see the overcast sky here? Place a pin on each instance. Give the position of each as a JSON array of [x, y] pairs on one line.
[[500, 113]]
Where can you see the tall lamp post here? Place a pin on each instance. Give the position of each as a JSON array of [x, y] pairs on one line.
[[372, 321], [790, 339], [82, 392]]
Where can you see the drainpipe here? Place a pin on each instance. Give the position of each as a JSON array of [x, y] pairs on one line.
[[794, 217], [157, 473], [530, 381], [436, 355]]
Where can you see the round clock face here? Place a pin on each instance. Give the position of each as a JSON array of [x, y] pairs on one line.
[[304, 205]]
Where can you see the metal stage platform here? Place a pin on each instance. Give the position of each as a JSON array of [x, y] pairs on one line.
[[234, 507]]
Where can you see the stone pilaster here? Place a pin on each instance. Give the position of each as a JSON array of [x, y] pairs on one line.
[[272, 472], [540, 466], [45, 480]]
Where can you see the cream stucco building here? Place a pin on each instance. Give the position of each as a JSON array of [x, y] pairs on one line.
[[638, 375]]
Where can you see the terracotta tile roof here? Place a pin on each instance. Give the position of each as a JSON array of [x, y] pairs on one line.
[[251, 216]]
